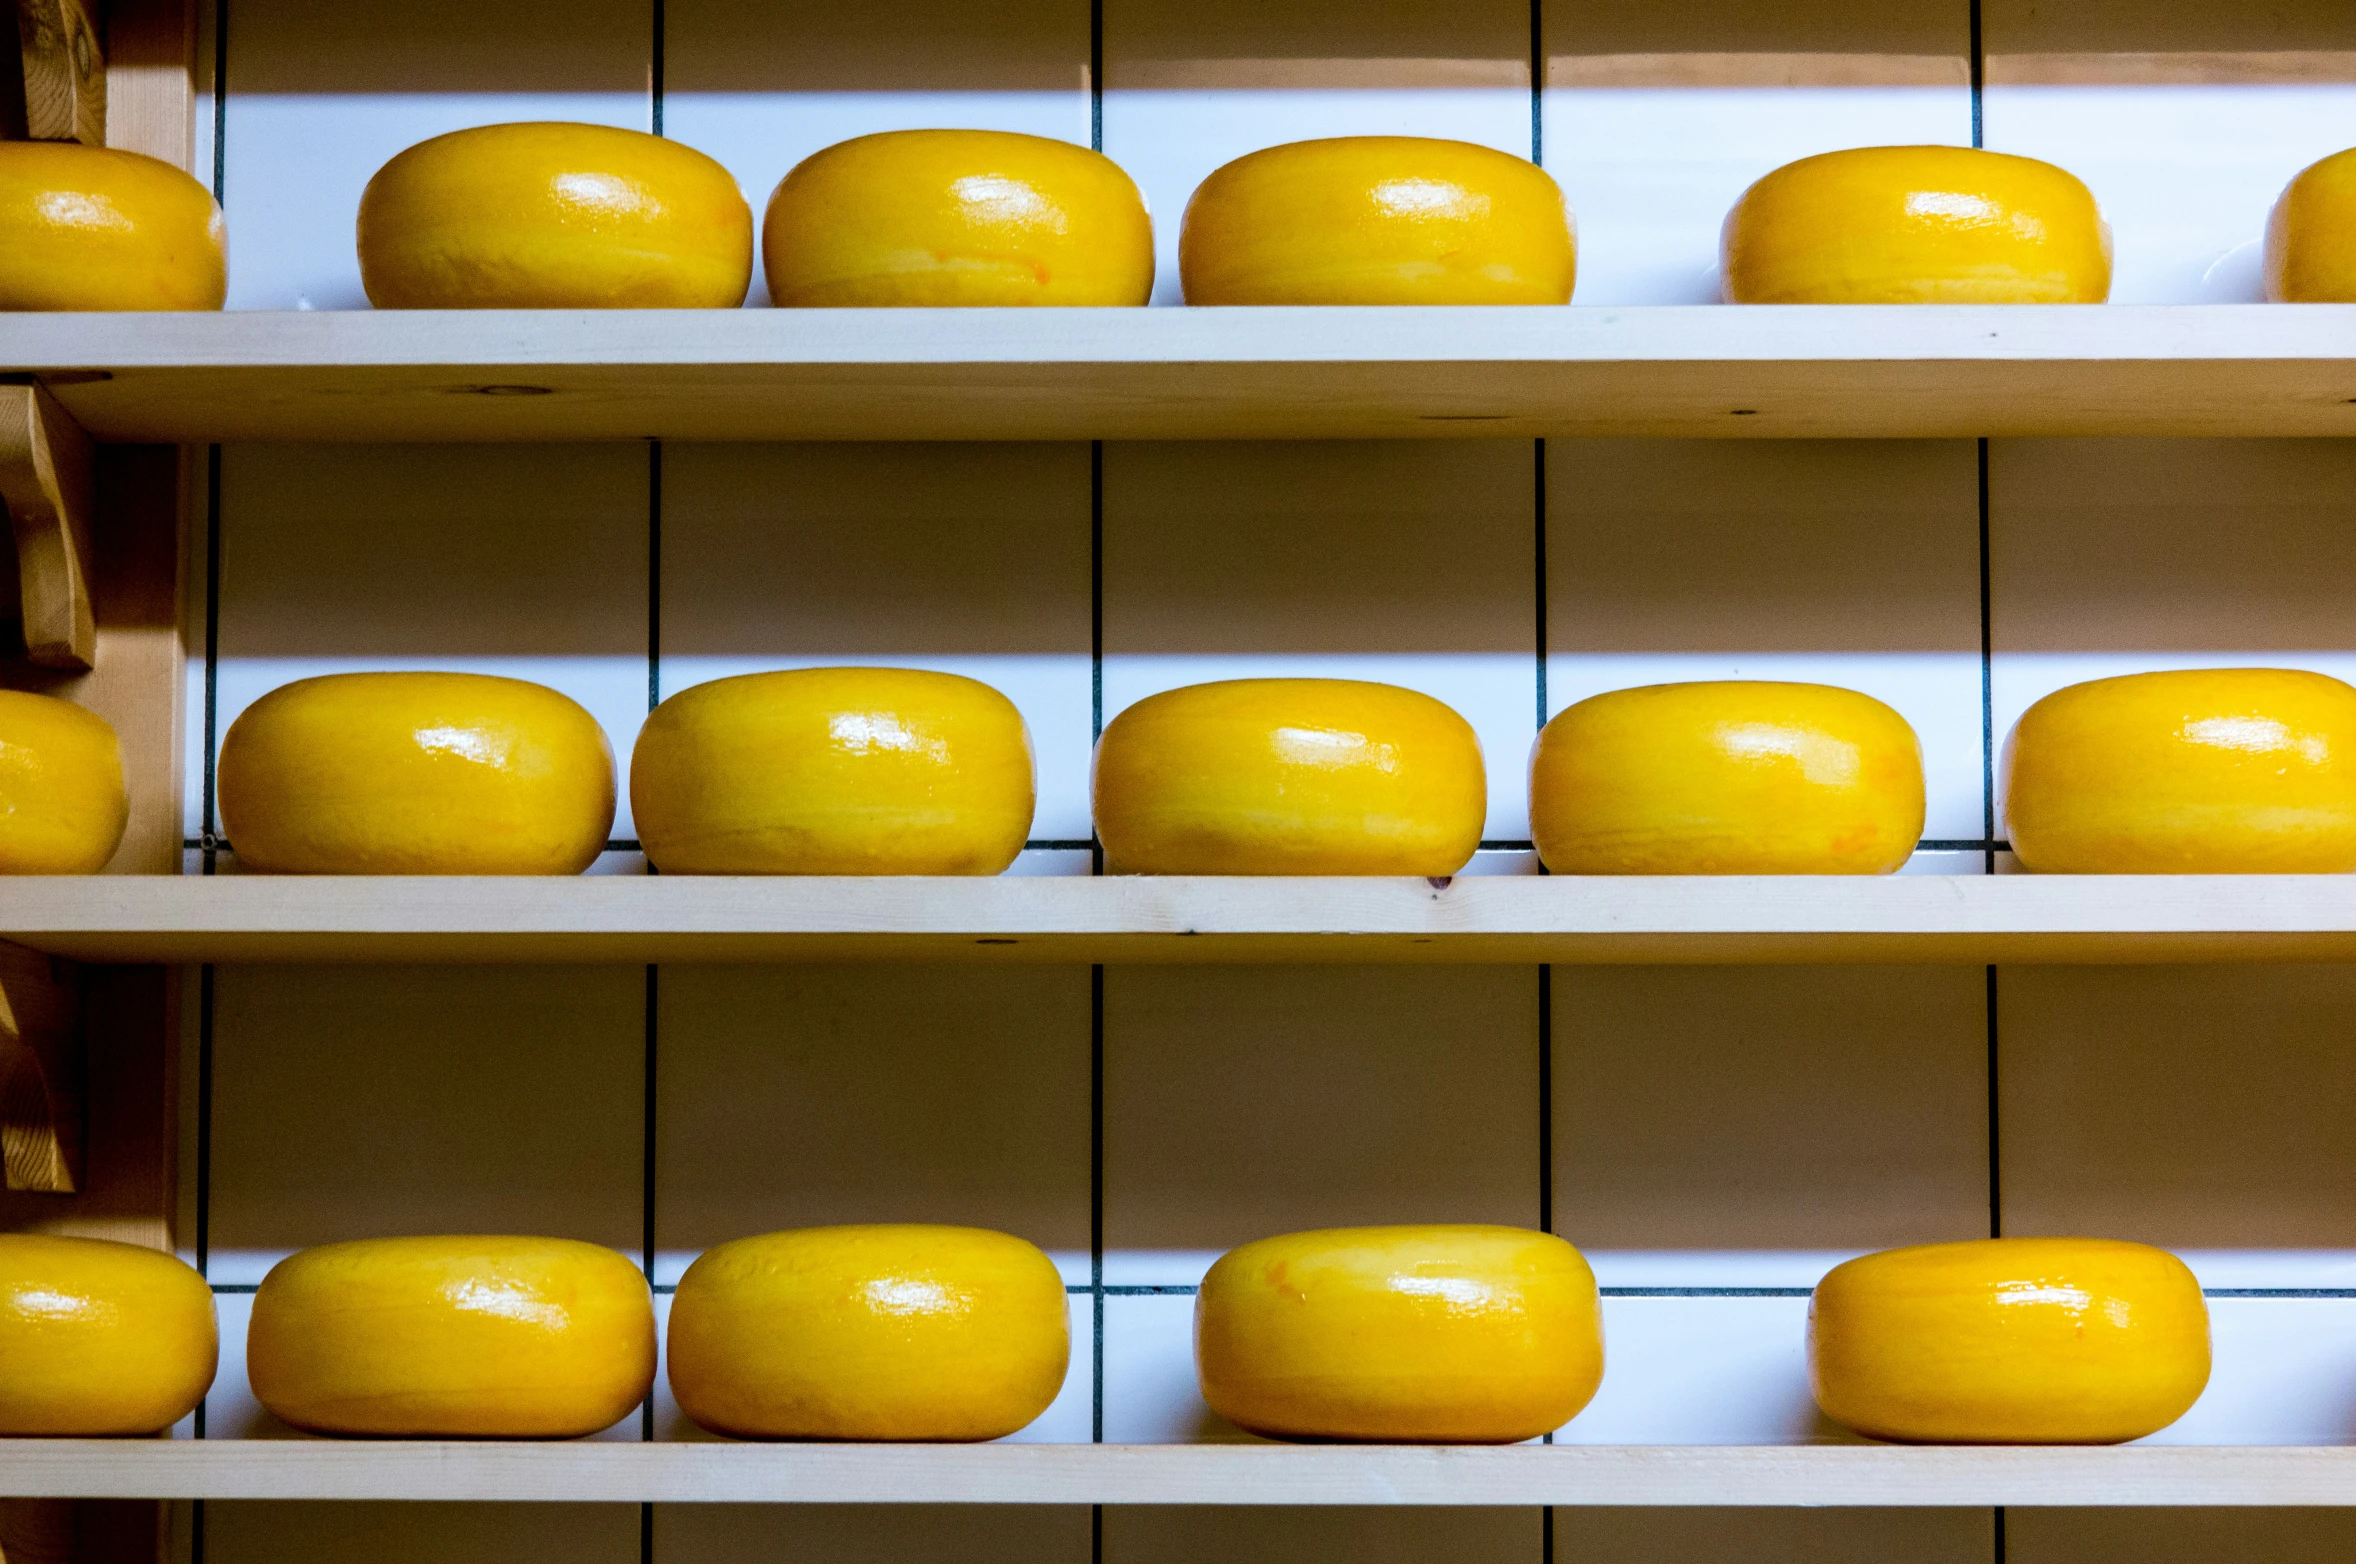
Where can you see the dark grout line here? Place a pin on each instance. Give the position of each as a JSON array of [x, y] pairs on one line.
[[1096, 1288], [210, 824], [649, 1127], [220, 110], [1979, 67], [654, 69], [1096, 74]]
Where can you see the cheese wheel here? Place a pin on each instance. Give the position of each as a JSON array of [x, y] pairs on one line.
[[1378, 220], [2311, 235], [428, 1338], [888, 1332], [834, 771], [957, 217], [62, 801], [2009, 1341], [99, 1338], [1916, 225], [94, 228], [1476, 1335], [554, 216], [2197, 771], [1733, 777], [416, 773], [1289, 776]]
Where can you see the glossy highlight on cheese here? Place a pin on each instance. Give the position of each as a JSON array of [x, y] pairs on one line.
[[1378, 220], [834, 771], [2192, 771], [63, 804], [1473, 1335], [472, 1337], [95, 228], [554, 216], [1727, 777], [2311, 235], [1289, 776], [947, 218], [1916, 225], [883, 1332], [2009, 1341], [416, 773], [99, 1338]]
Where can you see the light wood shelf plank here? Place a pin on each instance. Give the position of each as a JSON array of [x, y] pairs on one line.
[[1178, 1474], [1500, 919], [1199, 373]]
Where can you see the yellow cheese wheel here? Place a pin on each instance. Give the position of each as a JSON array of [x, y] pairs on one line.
[[957, 217], [1732, 777], [1475, 1335], [1916, 225], [416, 773], [519, 1338], [554, 216], [2311, 236], [62, 802], [834, 771], [1289, 776], [2009, 1341], [883, 1332], [92, 228], [2198, 771], [99, 1338], [1378, 220]]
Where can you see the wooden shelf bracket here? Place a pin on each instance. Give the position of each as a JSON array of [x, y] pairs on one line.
[[46, 481], [64, 72], [41, 1073]]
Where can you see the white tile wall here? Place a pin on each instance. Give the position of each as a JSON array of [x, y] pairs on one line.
[[1718, 1137]]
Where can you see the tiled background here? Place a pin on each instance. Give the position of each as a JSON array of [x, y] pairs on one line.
[[1714, 1137]]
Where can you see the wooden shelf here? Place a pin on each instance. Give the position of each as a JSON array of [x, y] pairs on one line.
[[1198, 374], [1177, 1474], [1502, 919]]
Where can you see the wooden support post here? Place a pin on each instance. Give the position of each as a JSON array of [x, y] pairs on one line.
[[47, 483], [41, 1073], [64, 72]]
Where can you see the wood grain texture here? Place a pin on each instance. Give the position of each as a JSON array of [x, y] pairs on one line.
[[1501, 919], [41, 1073], [701, 1472], [48, 482], [1198, 373], [64, 71], [151, 78]]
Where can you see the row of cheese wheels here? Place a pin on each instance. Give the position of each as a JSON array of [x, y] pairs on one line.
[[550, 216], [904, 771], [904, 1332]]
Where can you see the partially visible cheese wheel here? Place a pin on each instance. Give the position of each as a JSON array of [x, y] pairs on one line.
[[2191, 771], [99, 1338], [63, 804], [96, 228]]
